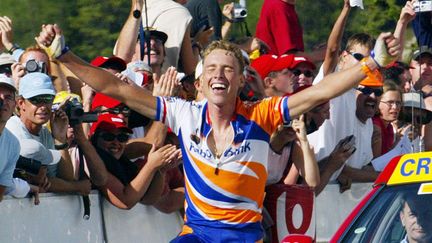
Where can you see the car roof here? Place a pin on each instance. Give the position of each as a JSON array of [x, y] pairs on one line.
[[406, 169]]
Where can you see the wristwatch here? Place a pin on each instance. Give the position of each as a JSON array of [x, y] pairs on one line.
[[61, 146]]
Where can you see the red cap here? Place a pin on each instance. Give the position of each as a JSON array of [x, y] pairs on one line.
[[100, 60], [266, 64], [109, 122], [305, 60], [104, 100]]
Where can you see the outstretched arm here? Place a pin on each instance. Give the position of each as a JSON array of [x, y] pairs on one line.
[[125, 46], [136, 98], [386, 49], [407, 15], [335, 39]]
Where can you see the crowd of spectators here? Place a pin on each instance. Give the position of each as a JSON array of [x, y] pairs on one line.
[[60, 132]]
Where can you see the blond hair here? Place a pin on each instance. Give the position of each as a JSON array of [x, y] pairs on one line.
[[224, 45]]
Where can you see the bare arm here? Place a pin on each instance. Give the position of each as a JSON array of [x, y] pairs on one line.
[[125, 46], [386, 49], [334, 40], [407, 15], [136, 98], [187, 56], [366, 174]]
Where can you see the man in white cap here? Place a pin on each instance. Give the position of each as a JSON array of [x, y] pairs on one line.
[[9, 144], [36, 96]]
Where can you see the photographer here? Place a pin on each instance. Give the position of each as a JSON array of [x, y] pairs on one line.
[[36, 95]]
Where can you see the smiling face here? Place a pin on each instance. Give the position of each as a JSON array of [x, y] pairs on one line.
[[221, 79], [422, 69], [34, 114], [366, 104], [111, 144]]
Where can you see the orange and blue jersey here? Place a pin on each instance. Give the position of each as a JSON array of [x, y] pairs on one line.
[[226, 192]]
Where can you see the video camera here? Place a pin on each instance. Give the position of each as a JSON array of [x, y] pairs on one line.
[[73, 108], [33, 66], [423, 6], [240, 10]]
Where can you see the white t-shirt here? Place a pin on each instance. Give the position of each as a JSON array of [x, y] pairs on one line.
[[10, 149], [342, 123], [172, 19], [277, 164], [44, 137]]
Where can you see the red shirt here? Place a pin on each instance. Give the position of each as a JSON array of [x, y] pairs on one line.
[[279, 27], [387, 134]]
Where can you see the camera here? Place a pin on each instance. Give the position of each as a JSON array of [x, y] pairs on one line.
[[33, 66], [240, 11], [73, 108], [423, 6]]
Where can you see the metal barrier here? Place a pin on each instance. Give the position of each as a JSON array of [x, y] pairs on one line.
[[59, 218]]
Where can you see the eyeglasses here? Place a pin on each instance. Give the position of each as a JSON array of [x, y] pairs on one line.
[[109, 137], [357, 56], [391, 103], [124, 110], [368, 91], [41, 99], [306, 73]]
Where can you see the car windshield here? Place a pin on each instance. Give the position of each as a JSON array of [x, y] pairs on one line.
[[396, 214]]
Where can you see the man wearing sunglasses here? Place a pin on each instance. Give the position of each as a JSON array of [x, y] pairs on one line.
[[36, 96]]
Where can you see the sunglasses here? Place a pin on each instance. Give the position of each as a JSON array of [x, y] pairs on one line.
[[357, 56], [109, 137], [306, 73], [368, 91], [41, 99], [124, 110]]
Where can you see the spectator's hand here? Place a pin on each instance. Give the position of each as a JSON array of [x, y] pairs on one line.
[[6, 36], [253, 44], [342, 151], [174, 163], [78, 133], [344, 183], [411, 131], [255, 82], [407, 13], [164, 156], [59, 123], [228, 11], [87, 94], [300, 129], [166, 84], [387, 49], [41, 180], [203, 36], [125, 79], [52, 40], [34, 191], [18, 71], [83, 187]]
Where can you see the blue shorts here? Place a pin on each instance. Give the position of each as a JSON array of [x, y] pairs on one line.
[[205, 234]]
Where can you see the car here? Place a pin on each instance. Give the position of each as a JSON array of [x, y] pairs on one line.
[[402, 192]]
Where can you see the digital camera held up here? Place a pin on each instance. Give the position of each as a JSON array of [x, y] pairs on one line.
[[240, 10], [73, 108], [33, 66], [423, 6]]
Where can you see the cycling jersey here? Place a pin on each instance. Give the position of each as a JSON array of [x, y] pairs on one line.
[[225, 192]]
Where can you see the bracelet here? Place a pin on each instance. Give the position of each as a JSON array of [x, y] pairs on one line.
[[61, 146], [371, 74], [13, 48]]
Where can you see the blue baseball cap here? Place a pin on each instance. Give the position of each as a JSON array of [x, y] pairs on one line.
[[34, 84]]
